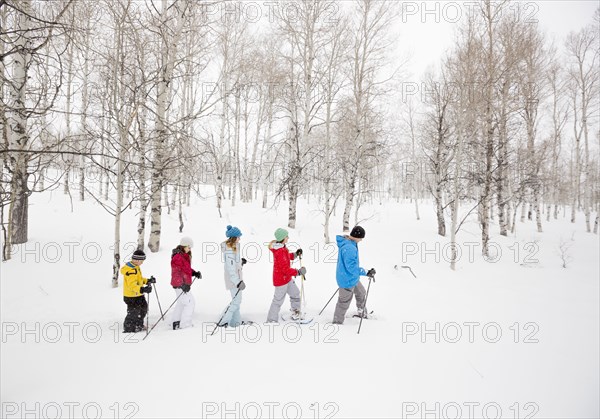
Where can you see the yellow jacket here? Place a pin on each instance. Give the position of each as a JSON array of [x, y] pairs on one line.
[[132, 280]]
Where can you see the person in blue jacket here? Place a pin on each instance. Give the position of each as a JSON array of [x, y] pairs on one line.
[[234, 281], [348, 273]]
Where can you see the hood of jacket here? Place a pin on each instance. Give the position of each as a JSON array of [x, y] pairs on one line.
[[342, 242]]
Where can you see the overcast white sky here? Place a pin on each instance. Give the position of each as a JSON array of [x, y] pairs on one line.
[[427, 40]]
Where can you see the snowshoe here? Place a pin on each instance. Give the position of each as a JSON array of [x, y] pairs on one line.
[[140, 329], [360, 313], [300, 320]]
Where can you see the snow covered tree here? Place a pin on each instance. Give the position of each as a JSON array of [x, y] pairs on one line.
[[29, 26], [583, 51], [169, 28], [371, 44], [438, 142], [306, 36]]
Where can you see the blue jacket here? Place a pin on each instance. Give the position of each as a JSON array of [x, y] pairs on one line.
[[348, 269], [233, 266]]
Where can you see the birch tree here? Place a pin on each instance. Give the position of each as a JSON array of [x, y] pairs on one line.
[[229, 36], [532, 86], [491, 13], [333, 83], [170, 26], [124, 109], [437, 142], [510, 56], [29, 30], [306, 37], [371, 43], [583, 52], [556, 82]]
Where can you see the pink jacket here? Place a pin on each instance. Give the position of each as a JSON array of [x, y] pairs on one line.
[[181, 269]]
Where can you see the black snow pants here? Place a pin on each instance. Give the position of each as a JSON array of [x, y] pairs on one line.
[[137, 307]]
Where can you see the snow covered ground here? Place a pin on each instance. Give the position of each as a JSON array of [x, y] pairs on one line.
[[514, 338]]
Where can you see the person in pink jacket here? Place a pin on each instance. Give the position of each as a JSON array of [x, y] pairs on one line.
[[181, 281]]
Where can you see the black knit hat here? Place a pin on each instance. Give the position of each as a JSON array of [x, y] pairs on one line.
[[358, 232], [138, 255]]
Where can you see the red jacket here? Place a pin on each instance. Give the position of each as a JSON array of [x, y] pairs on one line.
[[181, 269], [282, 272]]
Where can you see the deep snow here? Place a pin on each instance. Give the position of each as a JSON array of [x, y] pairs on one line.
[[544, 364]]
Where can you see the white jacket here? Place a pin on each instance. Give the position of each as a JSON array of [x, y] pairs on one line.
[[233, 266]]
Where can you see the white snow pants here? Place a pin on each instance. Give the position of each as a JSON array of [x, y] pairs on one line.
[[184, 308]]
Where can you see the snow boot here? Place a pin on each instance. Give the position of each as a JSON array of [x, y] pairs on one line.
[[362, 313], [296, 315]]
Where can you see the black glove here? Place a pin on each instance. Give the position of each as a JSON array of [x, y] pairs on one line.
[[151, 280], [197, 274], [186, 288], [299, 252], [241, 286], [244, 261], [371, 273], [147, 289], [302, 271]]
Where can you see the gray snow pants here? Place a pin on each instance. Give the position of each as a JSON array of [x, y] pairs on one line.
[[344, 300], [278, 298]]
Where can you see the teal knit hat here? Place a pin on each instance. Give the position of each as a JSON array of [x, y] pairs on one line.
[[280, 234], [232, 232]]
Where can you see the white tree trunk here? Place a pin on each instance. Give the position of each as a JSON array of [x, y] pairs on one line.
[[118, 211], [69, 82], [142, 186], [350, 188], [123, 146], [6, 251], [85, 103], [17, 132], [168, 55]]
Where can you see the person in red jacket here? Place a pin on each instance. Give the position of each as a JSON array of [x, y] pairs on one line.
[[283, 275], [181, 281]]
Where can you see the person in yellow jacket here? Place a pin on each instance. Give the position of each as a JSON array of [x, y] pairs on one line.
[[134, 288]]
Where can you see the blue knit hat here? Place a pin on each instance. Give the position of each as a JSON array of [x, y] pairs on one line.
[[233, 232]]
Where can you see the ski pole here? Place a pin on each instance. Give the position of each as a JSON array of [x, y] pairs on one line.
[[302, 299], [336, 291], [147, 316], [365, 307], [225, 312], [169, 308], [410, 269], [158, 300], [406, 267], [301, 265]]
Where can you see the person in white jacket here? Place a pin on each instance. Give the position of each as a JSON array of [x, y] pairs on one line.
[[234, 282]]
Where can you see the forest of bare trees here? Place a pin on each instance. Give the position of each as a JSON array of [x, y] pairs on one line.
[[147, 104]]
